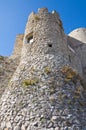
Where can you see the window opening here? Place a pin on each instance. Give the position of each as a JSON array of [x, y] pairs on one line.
[[84, 70], [50, 45], [30, 39]]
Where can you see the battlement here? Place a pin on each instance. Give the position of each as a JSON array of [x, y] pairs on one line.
[[43, 16], [42, 10]]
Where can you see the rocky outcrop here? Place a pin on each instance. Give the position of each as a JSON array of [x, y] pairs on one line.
[[7, 68]]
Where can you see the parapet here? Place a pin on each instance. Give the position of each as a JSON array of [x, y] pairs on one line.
[[44, 18], [42, 10]]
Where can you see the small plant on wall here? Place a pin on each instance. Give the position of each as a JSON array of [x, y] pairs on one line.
[[47, 70], [69, 73], [36, 18], [28, 82]]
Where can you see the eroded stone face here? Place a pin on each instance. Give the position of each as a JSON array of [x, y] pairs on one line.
[[7, 68], [48, 99]]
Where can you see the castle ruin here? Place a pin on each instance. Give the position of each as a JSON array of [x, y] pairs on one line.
[[47, 89]]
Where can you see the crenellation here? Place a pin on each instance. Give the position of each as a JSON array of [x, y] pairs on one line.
[[42, 10]]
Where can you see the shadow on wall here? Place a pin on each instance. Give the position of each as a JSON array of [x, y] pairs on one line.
[[77, 52]]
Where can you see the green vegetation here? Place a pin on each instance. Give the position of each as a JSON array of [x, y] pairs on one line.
[[1, 58], [69, 73], [36, 18], [28, 82], [47, 70]]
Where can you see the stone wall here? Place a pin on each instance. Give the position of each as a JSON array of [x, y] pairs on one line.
[[77, 41], [74, 57], [18, 46], [7, 68]]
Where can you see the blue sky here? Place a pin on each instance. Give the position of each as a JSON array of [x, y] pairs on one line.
[[14, 14]]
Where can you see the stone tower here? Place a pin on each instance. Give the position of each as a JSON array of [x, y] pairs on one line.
[[45, 93]]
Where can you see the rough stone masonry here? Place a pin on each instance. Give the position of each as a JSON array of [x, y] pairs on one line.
[[47, 90]]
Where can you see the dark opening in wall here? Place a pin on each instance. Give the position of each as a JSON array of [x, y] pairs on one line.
[[30, 39], [50, 45], [69, 58], [84, 70]]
